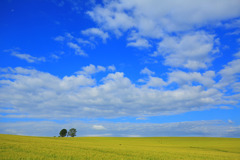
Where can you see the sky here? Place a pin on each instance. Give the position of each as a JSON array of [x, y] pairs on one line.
[[123, 68]]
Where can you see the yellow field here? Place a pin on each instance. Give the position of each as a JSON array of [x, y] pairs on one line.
[[159, 148]]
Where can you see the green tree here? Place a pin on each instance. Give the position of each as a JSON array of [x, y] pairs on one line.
[[63, 133], [72, 132]]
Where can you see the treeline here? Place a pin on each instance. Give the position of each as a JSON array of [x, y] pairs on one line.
[[72, 132]]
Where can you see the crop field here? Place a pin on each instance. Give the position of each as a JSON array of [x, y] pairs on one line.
[[115, 148]]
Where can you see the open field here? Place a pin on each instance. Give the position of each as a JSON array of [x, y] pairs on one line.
[[100, 148]]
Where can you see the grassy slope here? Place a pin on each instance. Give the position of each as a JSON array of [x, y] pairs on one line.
[[169, 148]]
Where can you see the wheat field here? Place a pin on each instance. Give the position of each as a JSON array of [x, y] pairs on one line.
[[14, 147]]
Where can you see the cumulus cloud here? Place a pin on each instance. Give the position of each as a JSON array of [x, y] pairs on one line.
[[112, 68], [155, 82], [36, 94], [237, 54], [141, 43], [147, 71], [110, 20], [173, 27], [136, 41], [96, 32], [91, 69], [153, 18], [230, 75], [235, 25], [193, 51], [183, 78]]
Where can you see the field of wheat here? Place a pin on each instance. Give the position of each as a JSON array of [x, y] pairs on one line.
[[114, 148]]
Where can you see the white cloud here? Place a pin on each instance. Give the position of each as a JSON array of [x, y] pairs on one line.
[[193, 51], [141, 118], [98, 127], [91, 69], [230, 75], [169, 23], [147, 71], [75, 43], [38, 94], [72, 82], [230, 121], [236, 87], [69, 36], [155, 82], [237, 54], [85, 42], [112, 68], [54, 56], [109, 19], [183, 78], [26, 57], [59, 38], [231, 68], [136, 41], [153, 18], [77, 48], [235, 24], [141, 43], [96, 32]]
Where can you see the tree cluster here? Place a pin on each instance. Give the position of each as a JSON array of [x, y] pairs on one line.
[[72, 132]]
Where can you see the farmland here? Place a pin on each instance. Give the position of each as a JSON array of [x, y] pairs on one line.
[[115, 148]]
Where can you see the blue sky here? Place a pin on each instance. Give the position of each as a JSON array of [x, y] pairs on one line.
[[120, 67]]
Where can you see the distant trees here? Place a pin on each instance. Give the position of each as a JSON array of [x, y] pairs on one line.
[[63, 133], [72, 132]]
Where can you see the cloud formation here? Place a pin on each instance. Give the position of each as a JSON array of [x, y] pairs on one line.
[[37, 94], [147, 71], [91, 69], [174, 28], [96, 32], [98, 127], [74, 43], [77, 48], [192, 51], [153, 18], [26, 57]]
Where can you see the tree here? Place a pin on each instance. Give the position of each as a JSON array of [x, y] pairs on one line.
[[72, 132], [63, 133]]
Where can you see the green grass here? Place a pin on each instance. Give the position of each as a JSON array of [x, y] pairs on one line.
[[114, 148]]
